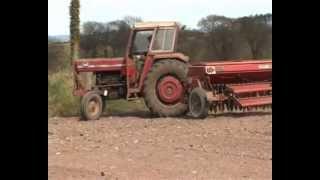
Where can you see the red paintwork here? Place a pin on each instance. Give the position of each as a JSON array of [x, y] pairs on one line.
[[169, 89], [125, 67], [242, 79], [130, 70], [240, 89], [256, 101], [232, 67], [99, 64], [231, 62], [254, 87], [233, 71], [147, 66]]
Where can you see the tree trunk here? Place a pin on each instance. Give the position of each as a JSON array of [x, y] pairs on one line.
[[85, 78], [74, 29]]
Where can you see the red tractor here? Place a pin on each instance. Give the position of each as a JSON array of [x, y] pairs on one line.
[[152, 69]]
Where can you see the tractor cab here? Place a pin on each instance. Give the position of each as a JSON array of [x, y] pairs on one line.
[[148, 39], [153, 37]]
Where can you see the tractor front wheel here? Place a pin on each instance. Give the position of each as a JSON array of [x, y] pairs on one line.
[[164, 93], [91, 106]]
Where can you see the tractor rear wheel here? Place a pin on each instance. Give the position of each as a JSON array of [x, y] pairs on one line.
[[198, 103], [91, 106], [164, 93]]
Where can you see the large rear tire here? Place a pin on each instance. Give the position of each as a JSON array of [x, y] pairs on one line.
[[163, 91], [91, 106]]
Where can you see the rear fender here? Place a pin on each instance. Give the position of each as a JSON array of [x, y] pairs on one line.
[[176, 56]]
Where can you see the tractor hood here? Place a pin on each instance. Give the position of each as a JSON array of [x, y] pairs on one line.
[[99, 64]]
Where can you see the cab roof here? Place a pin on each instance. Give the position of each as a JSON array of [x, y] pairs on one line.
[[154, 24]]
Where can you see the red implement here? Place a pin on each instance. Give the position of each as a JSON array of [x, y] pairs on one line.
[[252, 87], [255, 101], [230, 84]]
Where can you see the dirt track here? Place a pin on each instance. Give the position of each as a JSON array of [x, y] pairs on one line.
[[229, 146]]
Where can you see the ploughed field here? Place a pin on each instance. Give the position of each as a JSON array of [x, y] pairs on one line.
[[135, 146]]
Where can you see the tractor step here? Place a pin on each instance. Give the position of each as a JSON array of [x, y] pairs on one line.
[[251, 87], [255, 101], [132, 95]]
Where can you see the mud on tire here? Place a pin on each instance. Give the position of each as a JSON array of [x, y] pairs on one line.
[[160, 70], [91, 106], [198, 104]]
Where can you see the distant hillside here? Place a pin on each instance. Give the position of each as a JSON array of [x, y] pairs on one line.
[[59, 38], [58, 56]]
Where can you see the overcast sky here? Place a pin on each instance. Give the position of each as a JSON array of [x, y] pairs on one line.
[[187, 12]]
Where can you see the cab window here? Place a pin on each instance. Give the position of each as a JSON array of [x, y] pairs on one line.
[[164, 40], [141, 41]]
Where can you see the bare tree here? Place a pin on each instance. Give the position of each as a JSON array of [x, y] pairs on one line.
[[257, 32], [220, 35], [131, 20], [104, 39]]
